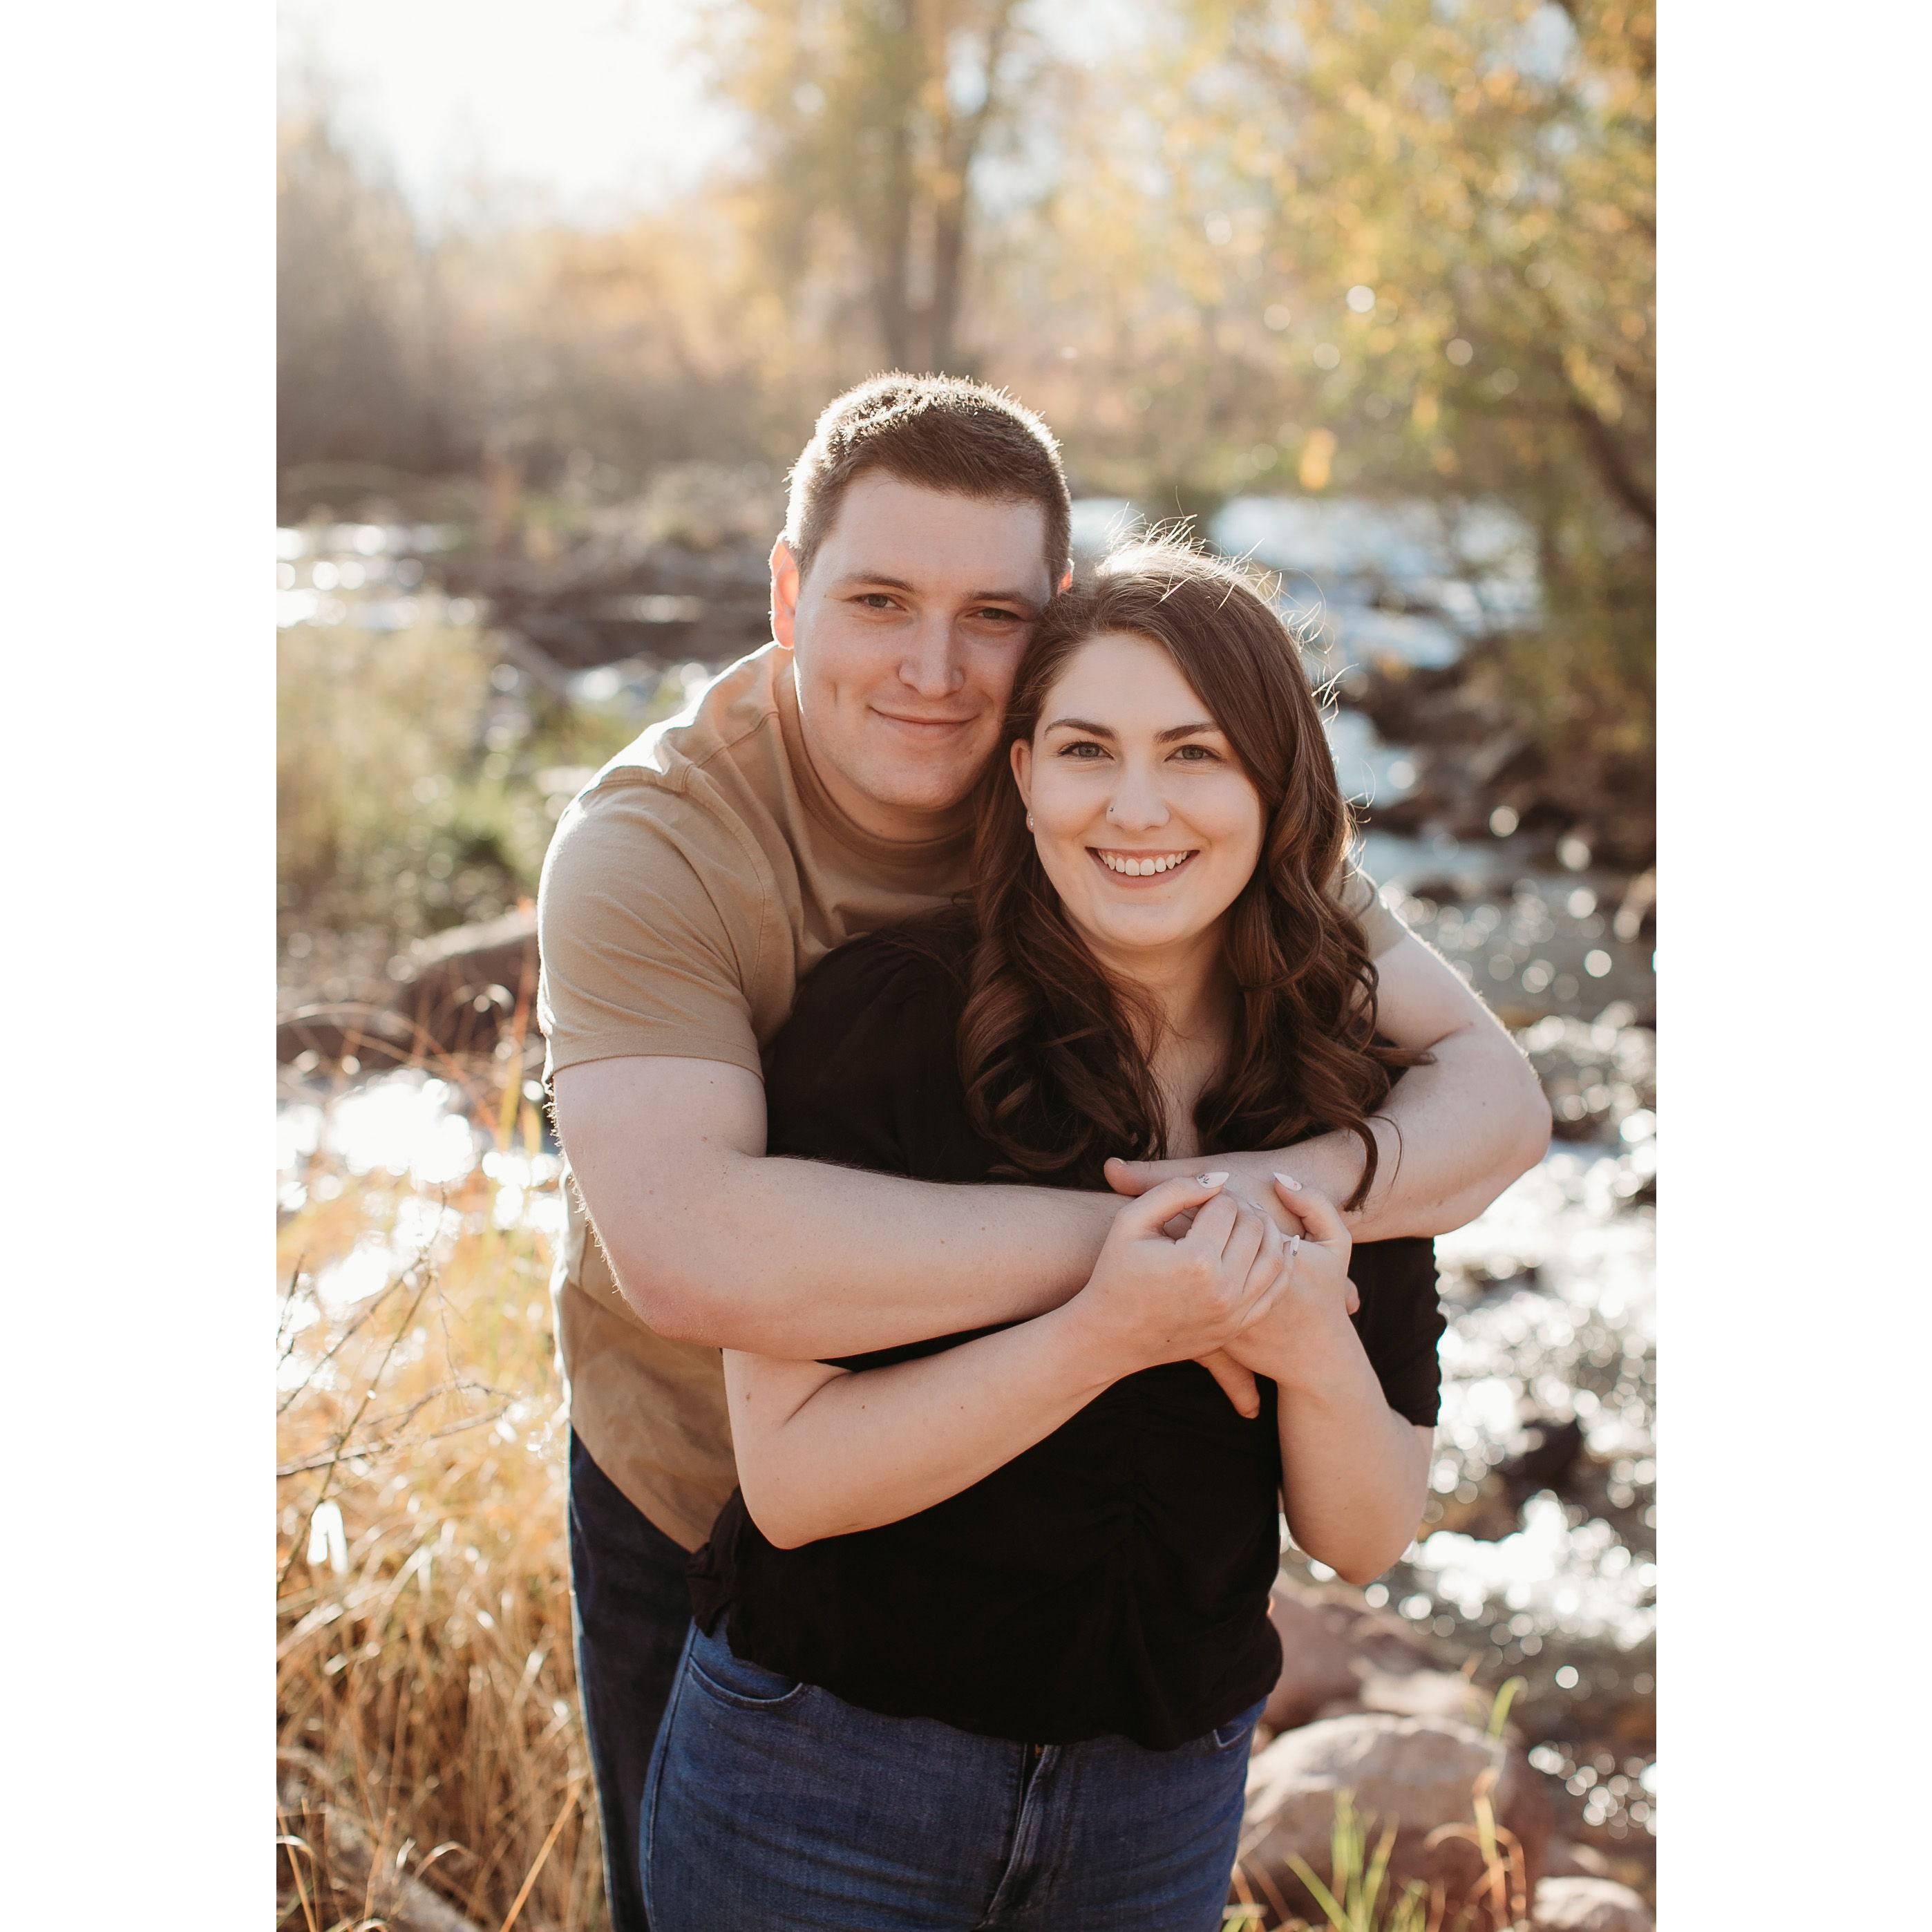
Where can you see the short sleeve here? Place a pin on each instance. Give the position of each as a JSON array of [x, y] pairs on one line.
[[1401, 1323], [649, 918], [1355, 892]]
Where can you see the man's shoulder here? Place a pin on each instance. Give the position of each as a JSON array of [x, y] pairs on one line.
[[732, 722], [709, 780]]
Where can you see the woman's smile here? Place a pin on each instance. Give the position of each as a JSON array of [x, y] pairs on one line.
[[1137, 867]]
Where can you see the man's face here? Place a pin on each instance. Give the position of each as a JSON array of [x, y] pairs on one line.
[[906, 634]]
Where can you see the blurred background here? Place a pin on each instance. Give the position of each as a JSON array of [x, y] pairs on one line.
[[1365, 292]]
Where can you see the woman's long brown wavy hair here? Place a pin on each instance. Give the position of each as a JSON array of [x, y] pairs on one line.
[[1056, 1076]]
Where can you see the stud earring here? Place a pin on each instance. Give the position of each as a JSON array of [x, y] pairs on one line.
[[1029, 821]]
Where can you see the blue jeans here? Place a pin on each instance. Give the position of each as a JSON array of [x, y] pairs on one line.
[[772, 1804], [631, 1607]]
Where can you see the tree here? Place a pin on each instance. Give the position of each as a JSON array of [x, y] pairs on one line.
[[867, 120], [1429, 226]]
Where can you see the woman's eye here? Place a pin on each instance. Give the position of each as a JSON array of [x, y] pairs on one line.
[[1195, 755], [1080, 747]]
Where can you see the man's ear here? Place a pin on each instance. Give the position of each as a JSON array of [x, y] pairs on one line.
[[784, 592], [1021, 758]]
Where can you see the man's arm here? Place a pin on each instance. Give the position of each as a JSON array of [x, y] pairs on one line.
[[1452, 1135], [712, 1241]]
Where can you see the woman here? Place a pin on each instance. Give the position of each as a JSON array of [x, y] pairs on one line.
[[982, 1639]]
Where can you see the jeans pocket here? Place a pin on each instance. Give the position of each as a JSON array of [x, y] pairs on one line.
[[1236, 1731], [732, 1680]]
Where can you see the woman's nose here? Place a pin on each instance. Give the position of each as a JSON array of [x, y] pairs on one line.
[[1137, 804]]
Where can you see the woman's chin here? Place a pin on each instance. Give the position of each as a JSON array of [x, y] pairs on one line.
[[1152, 930]]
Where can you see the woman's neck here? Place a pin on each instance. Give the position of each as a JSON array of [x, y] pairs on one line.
[[1186, 1027]]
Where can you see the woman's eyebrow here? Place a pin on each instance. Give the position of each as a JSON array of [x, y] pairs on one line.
[[1166, 737]]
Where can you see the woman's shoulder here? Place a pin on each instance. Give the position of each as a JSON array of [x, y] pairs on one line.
[[865, 1069], [921, 962]]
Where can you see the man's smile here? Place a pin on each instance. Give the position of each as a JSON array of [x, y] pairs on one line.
[[925, 728]]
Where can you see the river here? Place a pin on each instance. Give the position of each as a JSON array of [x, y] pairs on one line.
[[1537, 1558]]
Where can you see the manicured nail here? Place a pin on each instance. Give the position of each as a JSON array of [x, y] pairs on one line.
[[1288, 1180], [1210, 1180]]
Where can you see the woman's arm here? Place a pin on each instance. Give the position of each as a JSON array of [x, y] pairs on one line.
[[822, 1451], [1354, 1473]]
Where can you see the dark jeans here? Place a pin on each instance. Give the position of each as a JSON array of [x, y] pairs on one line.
[[773, 1804], [631, 1608]]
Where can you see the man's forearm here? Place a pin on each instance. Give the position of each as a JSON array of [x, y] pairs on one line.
[[807, 1262], [1451, 1136]]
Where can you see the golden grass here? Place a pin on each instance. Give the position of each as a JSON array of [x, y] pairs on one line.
[[428, 1727], [432, 1773]]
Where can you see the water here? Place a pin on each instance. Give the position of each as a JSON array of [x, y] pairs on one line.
[[1551, 1292]]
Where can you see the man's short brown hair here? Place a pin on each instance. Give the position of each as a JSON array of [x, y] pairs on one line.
[[940, 432]]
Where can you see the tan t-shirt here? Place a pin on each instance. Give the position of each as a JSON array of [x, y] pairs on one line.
[[690, 886]]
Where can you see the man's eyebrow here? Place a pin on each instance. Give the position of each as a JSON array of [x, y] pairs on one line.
[[853, 577], [1167, 737]]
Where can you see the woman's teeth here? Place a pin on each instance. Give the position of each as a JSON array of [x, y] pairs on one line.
[[1141, 868]]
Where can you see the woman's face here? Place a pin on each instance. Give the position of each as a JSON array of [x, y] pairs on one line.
[[1146, 825]]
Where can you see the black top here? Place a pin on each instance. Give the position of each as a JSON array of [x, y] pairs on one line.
[[1114, 1578]]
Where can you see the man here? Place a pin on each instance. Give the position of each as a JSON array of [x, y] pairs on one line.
[[817, 790]]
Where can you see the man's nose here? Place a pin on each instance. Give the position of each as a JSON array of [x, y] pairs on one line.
[[1137, 804], [932, 665]]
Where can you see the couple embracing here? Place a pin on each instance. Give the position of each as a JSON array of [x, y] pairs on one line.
[[1013, 1134]]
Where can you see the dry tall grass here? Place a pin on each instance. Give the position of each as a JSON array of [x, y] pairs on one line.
[[432, 1765], [432, 1775]]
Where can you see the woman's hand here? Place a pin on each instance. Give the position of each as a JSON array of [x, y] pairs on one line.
[[1297, 1338], [1152, 1298]]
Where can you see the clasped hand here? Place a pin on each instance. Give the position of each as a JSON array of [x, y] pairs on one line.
[[1232, 1292]]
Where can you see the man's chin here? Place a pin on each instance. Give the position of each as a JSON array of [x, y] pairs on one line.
[[922, 792]]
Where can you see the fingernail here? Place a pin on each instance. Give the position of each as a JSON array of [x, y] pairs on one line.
[[1288, 1180], [1210, 1180]]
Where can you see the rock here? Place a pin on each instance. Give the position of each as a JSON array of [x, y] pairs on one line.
[[1546, 1458], [1569, 1859], [457, 993], [1421, 1776], [1317, 1665], [1589, 1905], [1415, 1693], [1339, 1655]]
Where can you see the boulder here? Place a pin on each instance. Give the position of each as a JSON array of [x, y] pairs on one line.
[[1420, 1776], [1338, 1656], [1570, 1859], [1589, 1905]]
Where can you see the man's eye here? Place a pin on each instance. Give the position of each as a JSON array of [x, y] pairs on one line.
[[875, 600], [992, 614]]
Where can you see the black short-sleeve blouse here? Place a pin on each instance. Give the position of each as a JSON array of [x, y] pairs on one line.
[[1114, 1578]]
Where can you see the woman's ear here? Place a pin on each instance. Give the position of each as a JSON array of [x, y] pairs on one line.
[[1021, 758]]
